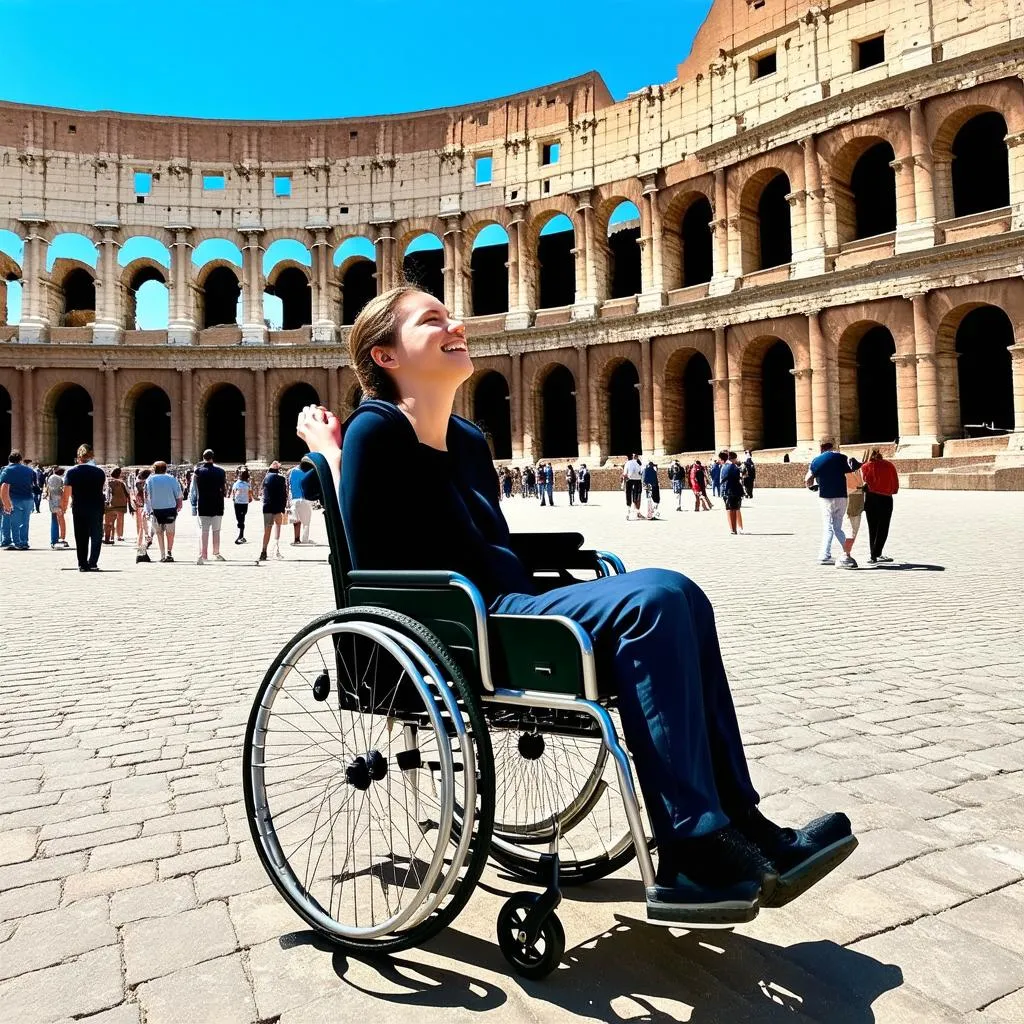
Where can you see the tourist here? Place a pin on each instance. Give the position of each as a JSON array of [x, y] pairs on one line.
[[718, 855], [241, 495], [675, 477], [748, 472], [275, 501], [517, 481], [854, 502], [549, 482], [716, 477], [302, 509], [143, 515], [506, 482], [17, 481], [698, 484], [118, 503], [85, 488], [652, 489], [210, 484], [632, 481], [570, 483], [40, 483], [829, 470], [58, 524], [583, 483], [731, 488], [164, 499], [882, 482]]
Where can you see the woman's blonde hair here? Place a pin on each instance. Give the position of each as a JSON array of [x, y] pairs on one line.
[[376, 325]]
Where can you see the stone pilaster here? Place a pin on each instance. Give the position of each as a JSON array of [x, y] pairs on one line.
[[385, 244], [257, 427], [254, 328], [322, 289], [187, 452], [809, 258], [922, 233], [588, 290], [804, 412], [516, 403], [725, 260], [181, 325], [583, 422], [906, 395], [1015, 146], [720, 388], [652, 295], [35, 317], [108, 325], [520, 273], [927, 442], [646, 396], [454, 282]]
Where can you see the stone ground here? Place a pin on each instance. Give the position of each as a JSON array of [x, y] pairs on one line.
[[129, 889]]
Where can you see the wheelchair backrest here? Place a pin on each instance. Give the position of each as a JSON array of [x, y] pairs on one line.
[[340, 557]]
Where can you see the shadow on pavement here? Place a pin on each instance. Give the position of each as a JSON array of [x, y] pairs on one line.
[[641, 972], [909, 565]]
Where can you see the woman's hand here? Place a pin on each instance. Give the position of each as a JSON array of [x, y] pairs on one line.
[[320, 429]]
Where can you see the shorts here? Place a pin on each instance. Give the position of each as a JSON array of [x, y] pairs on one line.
[[211, 523], [302, 511], [734, 503], [270, 518], [165, 516], [633, 491]]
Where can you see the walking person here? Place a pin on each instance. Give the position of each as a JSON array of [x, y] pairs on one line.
[[506, 482], [675, 478], [164, 498], [210, 483], [583, 483], [302, 508], [749, 474], [275, 501], [143, 516], [829, 469], [632, 479], [17, 483], [882, 482], [854, 502], [40, 483], [241, 496], [84, 488], [652, 489], [698, 484], [716, 477], [54, 492], [570, 483], [549, 483], [732, 491], [119, 502]]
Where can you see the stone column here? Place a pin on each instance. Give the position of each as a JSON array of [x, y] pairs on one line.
[[387, 270], [582, 401], [107, 327], [188, 452], [23, 419], [726, 252], [927, 374], [520, 304], [922, 234], [653, 266], [259, 422], [454, 285], [35, 316], [181, 325], [112, 451], [531, 444], [1016, 443], [720, 385], [804, 411], [254, 329], [906, 392], [1015, 145], [823, 413], [323, 329], [646, 396], [737, 439], [516, 401], [810, 260], [334, 390], [588, 292]]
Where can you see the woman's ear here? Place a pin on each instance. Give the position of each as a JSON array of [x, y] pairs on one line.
[[383, 357]]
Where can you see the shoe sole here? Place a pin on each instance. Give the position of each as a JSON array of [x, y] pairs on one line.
[[798, 880], [703, 915]]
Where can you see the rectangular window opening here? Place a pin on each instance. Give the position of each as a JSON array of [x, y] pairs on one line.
[[342, 209], [353, 135], [549, 153], [547, 187], [763, 66], [282, 186], [869, 52], [483, 166], [213, 183], [143, 183], [72, 129]]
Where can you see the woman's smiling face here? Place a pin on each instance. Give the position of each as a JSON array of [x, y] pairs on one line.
[[429, 345]]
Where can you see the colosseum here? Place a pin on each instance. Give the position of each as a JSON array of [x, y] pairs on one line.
[[813, 230]]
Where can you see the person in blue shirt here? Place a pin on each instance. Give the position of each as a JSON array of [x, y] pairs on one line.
[[716, 477], [17, 486], [829, 470], [719, 857], [275, 502], [732, 491], [84, 488], [302, 509]]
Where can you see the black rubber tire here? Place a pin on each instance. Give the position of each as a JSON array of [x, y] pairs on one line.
[[527, 961], [476, 856]]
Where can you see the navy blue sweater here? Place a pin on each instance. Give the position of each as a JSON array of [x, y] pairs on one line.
[[453, 521]]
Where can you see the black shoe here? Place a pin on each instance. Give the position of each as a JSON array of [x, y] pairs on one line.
[[802, 856], [142, 558], [263, 556], [169, 557], [688, 905], [83, 568]]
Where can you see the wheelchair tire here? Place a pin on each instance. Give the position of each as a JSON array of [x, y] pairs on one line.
[[345, 741]]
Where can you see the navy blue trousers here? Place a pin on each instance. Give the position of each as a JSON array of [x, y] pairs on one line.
[[655, 630]]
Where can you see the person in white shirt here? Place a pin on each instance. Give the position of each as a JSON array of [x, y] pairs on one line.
[[241, 495], [632, 476]]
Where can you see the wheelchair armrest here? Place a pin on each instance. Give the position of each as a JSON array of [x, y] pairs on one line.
[[403, 578]]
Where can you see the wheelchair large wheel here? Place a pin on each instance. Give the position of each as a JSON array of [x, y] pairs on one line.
[[552, 772], [363, 740]]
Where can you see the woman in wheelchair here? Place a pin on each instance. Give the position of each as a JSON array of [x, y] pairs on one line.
[[653, 630]]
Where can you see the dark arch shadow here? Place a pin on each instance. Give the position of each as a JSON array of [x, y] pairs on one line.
[[723, 978]]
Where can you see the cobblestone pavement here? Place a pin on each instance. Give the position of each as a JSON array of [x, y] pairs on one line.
[[129, 889]]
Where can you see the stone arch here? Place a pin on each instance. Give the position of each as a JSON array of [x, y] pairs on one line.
[[73, 293], [863, 186], [980, 169], [146, 424], [66, 422], [549, 249], [868, 399], [290, 402], [769, 393], [288, 281], [488, 268], [223, 420], [218, 294], [423, 262], [358, 277], [144, 272], [616, 248], [688, 407], [766, 237], [555, 398], [6, 421], [621, 393], [492, 411]]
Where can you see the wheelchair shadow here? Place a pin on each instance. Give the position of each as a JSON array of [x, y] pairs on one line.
[[640, 972]]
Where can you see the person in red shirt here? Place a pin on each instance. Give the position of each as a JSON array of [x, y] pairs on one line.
[[882, 482]]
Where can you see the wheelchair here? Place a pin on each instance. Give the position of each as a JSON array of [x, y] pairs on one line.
[[398, 741]]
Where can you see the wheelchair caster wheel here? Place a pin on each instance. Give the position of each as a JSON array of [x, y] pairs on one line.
[[535, 959]]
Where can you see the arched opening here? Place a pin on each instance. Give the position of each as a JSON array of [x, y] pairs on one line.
[[624, 251], [79, 293], [697, 242], [12, 252], [291, 286], [151, 427], [224, 423], [6, 421], [868, 406], [981, 165], [558, 414], [556, 263], [688, 403], [72, 423], [492, 413], [358, 286], [778, 397], [291, 447], [488, 266], [765, 214], [624, 410], [221, 293], [147, 300], [985, 372], [873, 191], [423, 264]]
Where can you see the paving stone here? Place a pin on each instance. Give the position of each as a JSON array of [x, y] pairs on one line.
[[158, 899], [261, 915], [216, 991], [185, 822], [189, 863], [884, 848], [29, 899], [153, 948], [994, 917], [1008, 1010], [111, 880], [88, 984], [18, 845], [968, 869], [246, 875], [126, 1013], [40, 870], [133, 851]]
